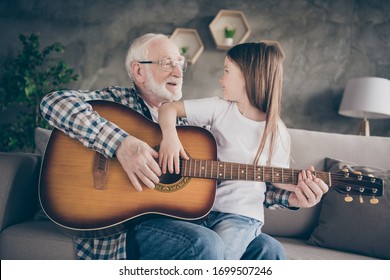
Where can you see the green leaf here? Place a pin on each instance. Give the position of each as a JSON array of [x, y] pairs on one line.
[[24, 80]]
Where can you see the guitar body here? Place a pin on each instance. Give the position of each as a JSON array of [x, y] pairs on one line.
[[70, 198]]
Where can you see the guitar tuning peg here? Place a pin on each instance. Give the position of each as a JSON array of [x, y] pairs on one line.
[[373, 180], [348, 198], [359, 175], [374, 200], [346, 171]]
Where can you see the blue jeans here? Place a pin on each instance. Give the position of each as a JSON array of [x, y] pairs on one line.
[[170, 239], [236, 231]]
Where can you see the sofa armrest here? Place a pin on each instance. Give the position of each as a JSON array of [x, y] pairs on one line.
[[19, 175]]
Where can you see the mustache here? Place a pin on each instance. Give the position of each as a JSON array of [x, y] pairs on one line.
[[174, 80]]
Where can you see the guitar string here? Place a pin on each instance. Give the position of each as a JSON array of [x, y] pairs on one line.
[[287, 172], [339, 178]]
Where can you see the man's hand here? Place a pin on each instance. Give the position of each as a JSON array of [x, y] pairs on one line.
[[309, 190], [138, 160]]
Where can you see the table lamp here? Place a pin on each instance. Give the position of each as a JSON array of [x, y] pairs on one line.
[[366, 98]]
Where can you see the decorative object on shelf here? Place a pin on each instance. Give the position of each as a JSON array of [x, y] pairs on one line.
[[367, 98], [226, 24], [189, 43], [184, 50], [229, 34]]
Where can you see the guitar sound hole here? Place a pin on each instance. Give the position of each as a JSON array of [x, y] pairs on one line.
[[169, 178]]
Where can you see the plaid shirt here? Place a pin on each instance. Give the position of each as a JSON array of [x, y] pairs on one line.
[[69, 111]]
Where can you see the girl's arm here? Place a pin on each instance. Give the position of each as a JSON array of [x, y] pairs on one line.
[[170, 148]]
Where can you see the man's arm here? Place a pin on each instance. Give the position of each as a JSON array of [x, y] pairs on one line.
[[70, 112]]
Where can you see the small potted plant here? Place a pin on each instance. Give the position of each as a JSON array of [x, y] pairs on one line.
[[229, 33], [184, 51]]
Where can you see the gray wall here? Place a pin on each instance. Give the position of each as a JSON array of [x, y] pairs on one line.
[[326, 42]]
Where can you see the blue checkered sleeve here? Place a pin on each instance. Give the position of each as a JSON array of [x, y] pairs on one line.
[[276, 198], [70, 112]]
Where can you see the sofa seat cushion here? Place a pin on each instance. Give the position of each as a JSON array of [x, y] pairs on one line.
[[38, 240], [299, 249]]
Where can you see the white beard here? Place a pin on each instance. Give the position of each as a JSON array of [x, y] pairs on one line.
[[161, 91]]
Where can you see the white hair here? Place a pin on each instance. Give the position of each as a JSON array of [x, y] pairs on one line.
[[138, 50]]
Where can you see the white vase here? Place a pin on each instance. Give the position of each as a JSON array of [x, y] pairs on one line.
[[228, 41]]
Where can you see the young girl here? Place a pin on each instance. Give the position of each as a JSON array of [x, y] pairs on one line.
[[247, 128]]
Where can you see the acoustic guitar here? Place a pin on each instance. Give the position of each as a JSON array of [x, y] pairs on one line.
[[89, 195]]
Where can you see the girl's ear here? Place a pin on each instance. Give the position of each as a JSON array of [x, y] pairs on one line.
[[139, 72]]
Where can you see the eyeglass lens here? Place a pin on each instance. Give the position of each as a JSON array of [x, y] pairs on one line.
[[168, 64]]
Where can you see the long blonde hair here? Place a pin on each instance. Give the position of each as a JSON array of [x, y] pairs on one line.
[[262, 66]]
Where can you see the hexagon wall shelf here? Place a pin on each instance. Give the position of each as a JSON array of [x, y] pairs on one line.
[[232, 18], [189, 43]]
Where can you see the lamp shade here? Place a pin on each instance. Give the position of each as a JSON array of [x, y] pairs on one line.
[[367, 97]]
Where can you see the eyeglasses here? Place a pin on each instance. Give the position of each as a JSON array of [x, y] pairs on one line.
[[168, 64]]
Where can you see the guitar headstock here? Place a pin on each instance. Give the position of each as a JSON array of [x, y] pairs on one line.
[[355, 183]]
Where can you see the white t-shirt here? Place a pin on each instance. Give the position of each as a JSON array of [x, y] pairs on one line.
[[237, 139]]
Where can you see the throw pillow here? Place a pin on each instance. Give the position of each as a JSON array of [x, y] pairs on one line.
[[356, 227]]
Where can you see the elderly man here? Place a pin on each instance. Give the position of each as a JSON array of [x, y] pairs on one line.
[[156, 67]]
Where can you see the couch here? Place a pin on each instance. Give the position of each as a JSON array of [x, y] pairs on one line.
[[333, 229]]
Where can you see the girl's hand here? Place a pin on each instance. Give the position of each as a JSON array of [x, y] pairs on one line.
[[169, 154], [309, 190]]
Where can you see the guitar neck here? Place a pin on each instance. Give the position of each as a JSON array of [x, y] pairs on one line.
[[219, 170]]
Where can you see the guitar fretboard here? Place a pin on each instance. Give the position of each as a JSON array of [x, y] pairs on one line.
[[235, 171]]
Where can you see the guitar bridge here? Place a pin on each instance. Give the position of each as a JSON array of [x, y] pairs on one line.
[[100, 168]]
